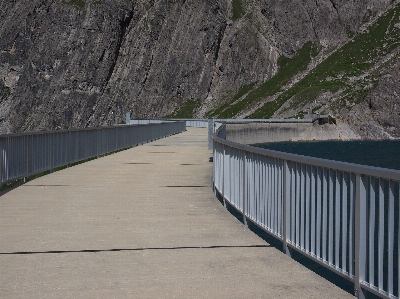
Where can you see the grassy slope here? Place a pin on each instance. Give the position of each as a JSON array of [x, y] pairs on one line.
[[288, 68], [237, 10], [79, 4], [221, 110], [339, 70], [185, 111]]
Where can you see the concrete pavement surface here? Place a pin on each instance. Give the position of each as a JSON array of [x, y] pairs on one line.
[[141, 223]]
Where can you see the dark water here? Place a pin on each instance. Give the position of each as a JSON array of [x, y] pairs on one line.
[[384, 154]]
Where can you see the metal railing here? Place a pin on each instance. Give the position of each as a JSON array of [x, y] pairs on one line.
[[22, 155], [343, 216], [197, 123], [213, 124]]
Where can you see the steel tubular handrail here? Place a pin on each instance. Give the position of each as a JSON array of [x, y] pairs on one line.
[[385, 173], [342, 215], [26, 154]]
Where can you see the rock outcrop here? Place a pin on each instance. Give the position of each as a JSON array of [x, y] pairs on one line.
[[79, 63]]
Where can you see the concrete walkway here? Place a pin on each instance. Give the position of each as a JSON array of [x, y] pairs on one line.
[[142, 223]]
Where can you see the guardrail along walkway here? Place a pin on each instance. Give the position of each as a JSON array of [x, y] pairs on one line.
[[141, 223]]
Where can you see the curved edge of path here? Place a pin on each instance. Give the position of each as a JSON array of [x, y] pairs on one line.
[[141, 223]]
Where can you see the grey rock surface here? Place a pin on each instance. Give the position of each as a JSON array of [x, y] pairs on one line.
[[378, 116], [76, 63]]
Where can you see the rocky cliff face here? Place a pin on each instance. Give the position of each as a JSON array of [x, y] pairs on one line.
[[76, 63], [378, 116], [56, 60]]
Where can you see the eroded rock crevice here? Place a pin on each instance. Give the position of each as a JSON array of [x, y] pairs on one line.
[[67, 64]]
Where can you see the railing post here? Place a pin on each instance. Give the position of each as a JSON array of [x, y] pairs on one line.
[[360, 235], [223, 175], [97, 143], [286, 205], [214, 166], [1, 164], [116, 141], [244, 188], [50, 135], [69, 149], [27, 159]]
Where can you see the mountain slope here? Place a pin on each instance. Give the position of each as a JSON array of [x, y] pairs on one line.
[[342, 82], [78, 63]]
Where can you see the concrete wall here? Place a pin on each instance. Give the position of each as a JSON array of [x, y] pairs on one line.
[[274, 132]]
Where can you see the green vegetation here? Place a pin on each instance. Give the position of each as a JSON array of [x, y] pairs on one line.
[[345, 69], [288, 68], [186, 111], [242, 91], [55, 124], [237, 10], [79, 4]]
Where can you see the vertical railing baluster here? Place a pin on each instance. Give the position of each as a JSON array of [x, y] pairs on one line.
[[344, 222], [98, 141], [280, 197], [228, 165], [263, 192], [390, 230], [273, 199], [244, 181], [297, 200], [307, 210], [27, 157], [351, 223], [222, 188], [256, 188], [254, 198], [237, 180], [381, 234], [260, 184], [270, 193], [371, 220], [256, 177], [325, 214], [293, 202], [319, 178], [337, 221], [330, 225], [1, 162], [360, 235], [302, 205], [286, 206], [266, 189], [313, 206]]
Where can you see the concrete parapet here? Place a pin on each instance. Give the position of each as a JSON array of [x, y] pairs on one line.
[[253, 133]]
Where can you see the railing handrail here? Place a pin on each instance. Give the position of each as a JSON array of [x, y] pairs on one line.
[[70, 130], [29, 153], [385, 173], [338, 214]]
